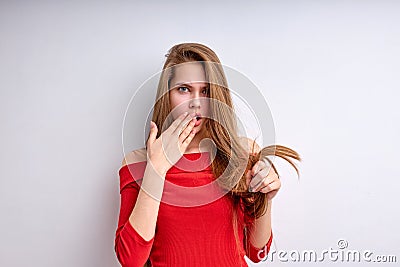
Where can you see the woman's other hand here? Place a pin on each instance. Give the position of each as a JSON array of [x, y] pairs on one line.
[[263, 178]]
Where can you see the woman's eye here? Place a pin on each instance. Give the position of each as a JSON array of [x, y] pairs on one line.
[[182, 87]]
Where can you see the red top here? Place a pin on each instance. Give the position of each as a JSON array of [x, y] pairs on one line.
[[191, 235]]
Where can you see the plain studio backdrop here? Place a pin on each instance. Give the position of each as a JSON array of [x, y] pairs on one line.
[[329, 71]]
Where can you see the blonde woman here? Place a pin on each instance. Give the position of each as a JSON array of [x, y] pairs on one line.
[[186, 201]]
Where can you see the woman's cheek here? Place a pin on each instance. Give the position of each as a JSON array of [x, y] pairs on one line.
[[205, 106], [176, 106]]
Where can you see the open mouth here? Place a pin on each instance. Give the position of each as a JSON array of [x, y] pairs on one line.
[[198, 116], [198, 119]]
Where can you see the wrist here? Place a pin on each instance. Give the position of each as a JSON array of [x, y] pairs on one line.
[[160, 170]]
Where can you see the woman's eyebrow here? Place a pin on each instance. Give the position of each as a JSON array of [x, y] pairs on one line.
[[187, 84]]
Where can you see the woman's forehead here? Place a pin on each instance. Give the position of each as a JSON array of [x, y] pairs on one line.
[[189, 73]]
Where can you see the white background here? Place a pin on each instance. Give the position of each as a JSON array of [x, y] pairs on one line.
[[328, 69]]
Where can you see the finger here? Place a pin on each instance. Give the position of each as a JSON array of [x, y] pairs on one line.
[[258, 178], [275, 185], [259, 165], [183, 123], [271, 178], [177, 121], [153, 133], [187, 141], [188, 119], [255, 168], [185, 133], [248, 178]]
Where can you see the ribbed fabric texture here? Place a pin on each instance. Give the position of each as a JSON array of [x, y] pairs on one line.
[[186, 235]]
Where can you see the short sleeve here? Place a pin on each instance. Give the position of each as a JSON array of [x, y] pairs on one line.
[[130, 247]]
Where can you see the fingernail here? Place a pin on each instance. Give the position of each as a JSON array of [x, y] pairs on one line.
[[185, 113]]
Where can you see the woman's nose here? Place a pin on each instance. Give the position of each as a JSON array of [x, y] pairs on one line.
[[195, 102]]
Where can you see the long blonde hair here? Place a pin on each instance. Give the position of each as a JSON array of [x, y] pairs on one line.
[[231, 155]]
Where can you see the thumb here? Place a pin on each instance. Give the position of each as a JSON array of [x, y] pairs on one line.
[[248, 177], [153, 132]]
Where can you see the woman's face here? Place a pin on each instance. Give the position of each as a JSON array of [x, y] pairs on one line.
[[189, 91]]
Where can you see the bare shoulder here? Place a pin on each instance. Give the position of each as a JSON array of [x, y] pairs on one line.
[[137, 155], [250, 143]]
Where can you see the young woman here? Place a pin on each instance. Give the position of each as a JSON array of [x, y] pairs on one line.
[[198, 194]]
